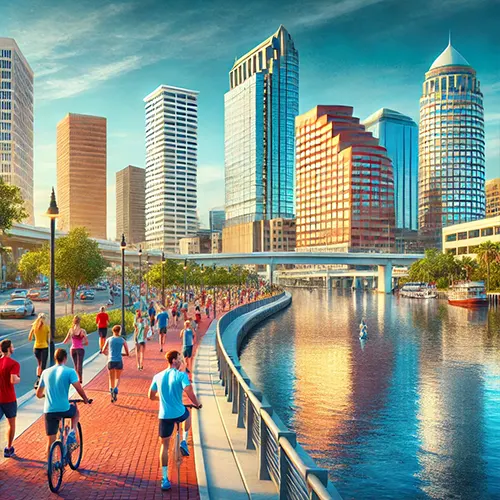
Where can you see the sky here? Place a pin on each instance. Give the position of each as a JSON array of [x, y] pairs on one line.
[[102, 58]]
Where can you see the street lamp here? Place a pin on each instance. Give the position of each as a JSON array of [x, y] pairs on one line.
[[229, 288], [147, 277], [163, 278], [140, 274], [52, 213], [185, 268], [123, 245], [215, 296], [202, 270]]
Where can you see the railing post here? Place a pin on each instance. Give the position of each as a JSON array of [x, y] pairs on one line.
[[291, 437], [249, 424], [235, 393], [322, 475], [261, 451], [241, 399]]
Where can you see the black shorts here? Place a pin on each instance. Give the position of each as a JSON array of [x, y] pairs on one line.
[[187, 351], [167, 424], [140, 343], [163, 330], [42, 355], [8, 409], [115, 365], [152, 321], [52, 419], [103, 333]]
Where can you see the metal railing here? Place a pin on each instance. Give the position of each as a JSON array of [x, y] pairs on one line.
[[280, 458]]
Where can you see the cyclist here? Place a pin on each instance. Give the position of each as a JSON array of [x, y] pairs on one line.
[[114, 346], [162, 321], [168, 387], [54, 385], [40, 333]]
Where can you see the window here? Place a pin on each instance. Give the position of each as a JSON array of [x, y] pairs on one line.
[[487, 231], [462, 236], [451, 237], [462, 250], [474, 233]]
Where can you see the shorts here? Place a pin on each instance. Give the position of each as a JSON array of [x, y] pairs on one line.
[[167, 424], [140, 343], [103, 332], [152, 321], [163, 330], [42, 355], [52, 419], [8, 409], [115, 365], [187, 351]]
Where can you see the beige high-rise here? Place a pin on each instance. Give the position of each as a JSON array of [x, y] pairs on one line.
[[81, 173], [130, 204]]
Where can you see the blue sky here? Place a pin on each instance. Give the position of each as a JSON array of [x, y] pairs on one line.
[[102, 58]]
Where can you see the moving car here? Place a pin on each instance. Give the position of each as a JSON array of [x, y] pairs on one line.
[[87, 295], [19, 293], [33, 293], [17, 308]]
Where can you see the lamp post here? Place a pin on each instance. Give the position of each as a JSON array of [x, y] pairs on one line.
[[123, 245], [185, 268], [140, 274], [147, 277], [215, 296], [163, 278], [53, 213], [202, 270], [229, 288]]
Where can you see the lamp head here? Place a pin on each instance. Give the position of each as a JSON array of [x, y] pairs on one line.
[[185, 264], [123, 243], [202, 267], [53, 211], [140, 249]]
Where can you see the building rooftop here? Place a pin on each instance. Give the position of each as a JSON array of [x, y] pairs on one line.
[[10, 43], [166, 88], [449, 57], [388, 114]]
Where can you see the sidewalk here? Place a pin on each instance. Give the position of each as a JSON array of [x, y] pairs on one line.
[[121, 445]]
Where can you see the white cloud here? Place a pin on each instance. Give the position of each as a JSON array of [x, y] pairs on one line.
[[210, 173], [492, 117]]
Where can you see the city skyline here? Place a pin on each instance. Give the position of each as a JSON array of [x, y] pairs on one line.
[[338, 72]]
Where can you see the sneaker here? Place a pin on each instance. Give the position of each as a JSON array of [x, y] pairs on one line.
[[161, 350], [7, 452], [71, 439], [165, 485], [115, 393], [184, 449], [112, 395]]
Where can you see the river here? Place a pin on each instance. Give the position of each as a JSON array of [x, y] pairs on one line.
[[412, 412]]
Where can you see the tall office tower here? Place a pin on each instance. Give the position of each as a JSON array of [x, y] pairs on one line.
[[217, 217], [398, 134], [259, 116], [171, 166], [345, 184], [130, 204], [16, 121], [493, 197], [451, 146], [81, 173]]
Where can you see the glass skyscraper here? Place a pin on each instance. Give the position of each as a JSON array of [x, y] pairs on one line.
[[259, 115], [398, 134], [451, 146]]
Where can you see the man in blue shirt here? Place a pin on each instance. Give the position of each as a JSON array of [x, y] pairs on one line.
[[168, 387], [162, 322], [54, 386]]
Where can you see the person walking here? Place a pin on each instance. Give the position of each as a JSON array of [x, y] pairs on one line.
[[140, 332], [102, 322], [10, 375], [168, 387], [113, 348], [152, 315], [197, 320], [78, 337], [40, 334], [188, 338], [162, 322]]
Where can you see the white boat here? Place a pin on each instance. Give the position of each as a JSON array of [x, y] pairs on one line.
[[468, 294], [418, 290]]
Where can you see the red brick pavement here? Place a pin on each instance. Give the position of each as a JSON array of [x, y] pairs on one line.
[[121, 447]]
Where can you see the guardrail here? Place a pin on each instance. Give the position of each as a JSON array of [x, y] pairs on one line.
[[280, 458]]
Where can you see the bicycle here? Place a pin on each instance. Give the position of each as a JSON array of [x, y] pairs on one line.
[[178, 455], [61, 454]]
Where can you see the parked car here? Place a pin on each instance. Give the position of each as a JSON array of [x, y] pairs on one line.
[[87, 295], [17, 308], [19, 293], [33, 293], [100, 287]]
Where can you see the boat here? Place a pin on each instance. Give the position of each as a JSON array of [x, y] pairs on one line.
[[418, 290], [468, 294]]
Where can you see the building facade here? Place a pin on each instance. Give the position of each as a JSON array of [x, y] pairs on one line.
[[171, 166], [345, 186], [202, 243], [398, 134], [216, 242], [259, 115], [217, 217], [16, 122], [130, 204], [451, 146], [493, 197], [81, 173]]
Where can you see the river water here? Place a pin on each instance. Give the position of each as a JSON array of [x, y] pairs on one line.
[[412, 412]]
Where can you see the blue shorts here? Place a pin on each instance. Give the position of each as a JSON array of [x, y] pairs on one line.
[[187, 351], [8, 409], [167, 424], [52, 419]]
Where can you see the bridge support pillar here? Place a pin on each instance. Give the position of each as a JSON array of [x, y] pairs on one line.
[[385, 278], [328, 281], [269, 273]]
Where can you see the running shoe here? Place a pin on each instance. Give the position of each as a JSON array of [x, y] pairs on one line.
[[184, 449], [71, 439], [8, 452], [112, 395], [165, 485], [115, 393]]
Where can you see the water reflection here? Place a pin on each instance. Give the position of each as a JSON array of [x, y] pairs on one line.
[[411, 413]]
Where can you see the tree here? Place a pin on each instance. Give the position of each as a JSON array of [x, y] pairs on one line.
[[31, 264], [488, 253], [11, 206], [78, 261], [469, 266]]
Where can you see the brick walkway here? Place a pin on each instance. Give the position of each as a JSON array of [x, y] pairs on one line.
[[121, 446]]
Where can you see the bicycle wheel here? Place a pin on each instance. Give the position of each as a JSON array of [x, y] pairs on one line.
[[55, 466], [75, 451]]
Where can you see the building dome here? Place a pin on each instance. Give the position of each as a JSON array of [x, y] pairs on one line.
[[449, 57]]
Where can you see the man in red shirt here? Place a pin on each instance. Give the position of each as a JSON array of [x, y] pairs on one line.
[[102, 321], [9, 376]]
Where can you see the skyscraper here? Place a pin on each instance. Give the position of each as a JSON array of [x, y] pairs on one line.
[[16, 121], [217, 218], [451, 146], [171, 166], [81, 173], [398, 134], [259, 116], [493, 197], [345, 187], [130, 204]]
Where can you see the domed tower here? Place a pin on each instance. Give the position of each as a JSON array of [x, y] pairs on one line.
[[451, 146]]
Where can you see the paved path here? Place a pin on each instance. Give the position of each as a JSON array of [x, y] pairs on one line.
[[120, 444]]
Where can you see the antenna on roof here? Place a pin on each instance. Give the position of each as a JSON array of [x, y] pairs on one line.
[[449, 37]]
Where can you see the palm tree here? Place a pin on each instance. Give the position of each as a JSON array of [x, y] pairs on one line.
[[469, 265], [488, 253]]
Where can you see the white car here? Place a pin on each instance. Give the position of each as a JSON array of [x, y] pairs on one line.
[[19, 294], [17, 308]]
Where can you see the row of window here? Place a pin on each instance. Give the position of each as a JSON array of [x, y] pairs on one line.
[[475, 233]]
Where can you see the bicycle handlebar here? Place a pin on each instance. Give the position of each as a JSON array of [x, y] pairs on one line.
[[80, 401], [193, 406]]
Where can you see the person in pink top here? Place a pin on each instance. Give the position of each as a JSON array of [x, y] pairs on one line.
[[78, 337]]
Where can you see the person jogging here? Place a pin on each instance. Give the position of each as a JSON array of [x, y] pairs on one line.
[[113, 348], [168, 387], [152, 315], [9, 376], [140, 332], [162, 322], [54, 386], [188, 338], [102, 322], [40, 334], [78, 337]]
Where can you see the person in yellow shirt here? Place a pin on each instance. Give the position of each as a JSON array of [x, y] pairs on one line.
[[40, 334]]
